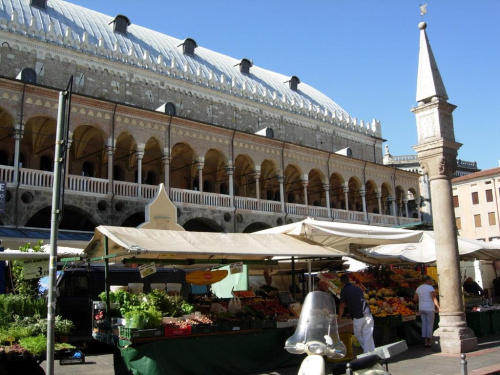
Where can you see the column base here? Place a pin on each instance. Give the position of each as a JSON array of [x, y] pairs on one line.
[[454, 340]]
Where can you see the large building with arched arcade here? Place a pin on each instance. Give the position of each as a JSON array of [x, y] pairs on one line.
[[239, 148]]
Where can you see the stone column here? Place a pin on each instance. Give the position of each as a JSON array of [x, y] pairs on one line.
[[110, 149], [405, 203], [362, 192], [305, 181], [327, 199], [281, 180], [379, 200], [418, 202], [166, 169], [139, 155], [345, 189], [66, 163], [230, 173], [200, 163], [437, 154], [18, 135], [394, 207], [256, 176]]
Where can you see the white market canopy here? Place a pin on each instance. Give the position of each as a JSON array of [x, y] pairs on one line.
[[62, 252], [160, 244], [342, 236], [425, 251]]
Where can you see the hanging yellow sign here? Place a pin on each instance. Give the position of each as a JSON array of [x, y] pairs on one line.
[[205, 277]]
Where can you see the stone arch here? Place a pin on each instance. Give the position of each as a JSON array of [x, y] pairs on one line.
[[39, 139], [125, 155], [244, 167], [371, 197], [214, 171], [386, 196], [354, 196], [6, 137], [255, 227], [294, 191], [134, 220], [336, 191], [315, 189], [182, 166], [152, 162], [202, 224], [73, 218], [269, 184], [88, 152]]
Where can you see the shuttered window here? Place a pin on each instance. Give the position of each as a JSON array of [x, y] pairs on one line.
[[492, 220], [489, 195], [475, 198], [455, 201], [477, 221]]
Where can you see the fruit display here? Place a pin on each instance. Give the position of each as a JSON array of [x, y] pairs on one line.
[[387, 291]]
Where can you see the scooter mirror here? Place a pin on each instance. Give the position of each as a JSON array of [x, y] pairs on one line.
[[317, 332]]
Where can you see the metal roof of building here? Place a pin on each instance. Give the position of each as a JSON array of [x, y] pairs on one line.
[[82, 29]]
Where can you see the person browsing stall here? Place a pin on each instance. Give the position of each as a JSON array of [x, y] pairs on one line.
[[470, 286], [362, 319], [425, 295]]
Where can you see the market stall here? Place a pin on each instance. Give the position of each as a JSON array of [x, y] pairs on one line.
[[211, 250]]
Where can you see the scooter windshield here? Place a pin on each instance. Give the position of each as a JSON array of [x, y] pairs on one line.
[[316, 332]]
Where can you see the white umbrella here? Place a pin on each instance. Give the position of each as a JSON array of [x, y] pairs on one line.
[[425, 251], [341, 236]]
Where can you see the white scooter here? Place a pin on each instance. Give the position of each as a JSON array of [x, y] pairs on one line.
[[317, 336]]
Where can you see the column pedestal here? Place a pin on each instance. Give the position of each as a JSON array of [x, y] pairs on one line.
[[453, 335]]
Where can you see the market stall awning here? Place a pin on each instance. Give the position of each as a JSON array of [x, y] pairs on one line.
[[425, 251], [342, 236], [210, 246], [62, 252]]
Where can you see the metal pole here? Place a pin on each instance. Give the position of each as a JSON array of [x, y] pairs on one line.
[[463, 364], [54, 223], [106, 283]]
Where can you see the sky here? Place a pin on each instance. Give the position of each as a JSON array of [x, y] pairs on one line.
[[363, 54]]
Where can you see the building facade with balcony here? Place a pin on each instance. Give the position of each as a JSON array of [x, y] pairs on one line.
[[238, 148]]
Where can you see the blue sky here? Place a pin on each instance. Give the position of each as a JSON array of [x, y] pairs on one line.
[[361, 53]]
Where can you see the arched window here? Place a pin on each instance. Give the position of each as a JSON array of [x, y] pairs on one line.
[[223, 188]]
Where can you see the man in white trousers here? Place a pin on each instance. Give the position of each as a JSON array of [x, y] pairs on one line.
[[362, 319]]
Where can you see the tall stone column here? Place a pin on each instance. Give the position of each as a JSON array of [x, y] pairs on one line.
[[437, 153], [394, 207], [18, 135], [305, 181], [405, 202], [256, 176], [379, 200], [166, 169], [139, 155], [110, 148], [66, 164], [230, 173], [200, 163], [281, 180], [362, 192], [327, 199], [345, 189]]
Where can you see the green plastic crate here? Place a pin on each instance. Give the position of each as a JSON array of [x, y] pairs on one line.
[[479, 322], [134, 333]]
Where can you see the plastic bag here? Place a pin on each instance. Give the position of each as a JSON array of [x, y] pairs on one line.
[[234, 305]]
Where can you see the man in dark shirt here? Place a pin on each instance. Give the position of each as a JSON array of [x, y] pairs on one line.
[[362, 319]]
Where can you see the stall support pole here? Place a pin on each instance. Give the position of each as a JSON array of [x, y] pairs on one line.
[[106, 281], [309, 269]]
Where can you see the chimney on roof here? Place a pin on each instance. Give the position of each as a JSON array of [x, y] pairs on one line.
[[293, 83], [245, 65], [120, 24], [188, 46], [42, 4]]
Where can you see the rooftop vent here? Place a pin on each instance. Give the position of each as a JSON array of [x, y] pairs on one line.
[[266, 132], [167, 108], [120, 24], [293, 83], [188, 46], [42, 4], [245, 66], [27, 75]]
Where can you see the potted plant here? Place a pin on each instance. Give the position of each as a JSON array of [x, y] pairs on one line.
[[62, 328]]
